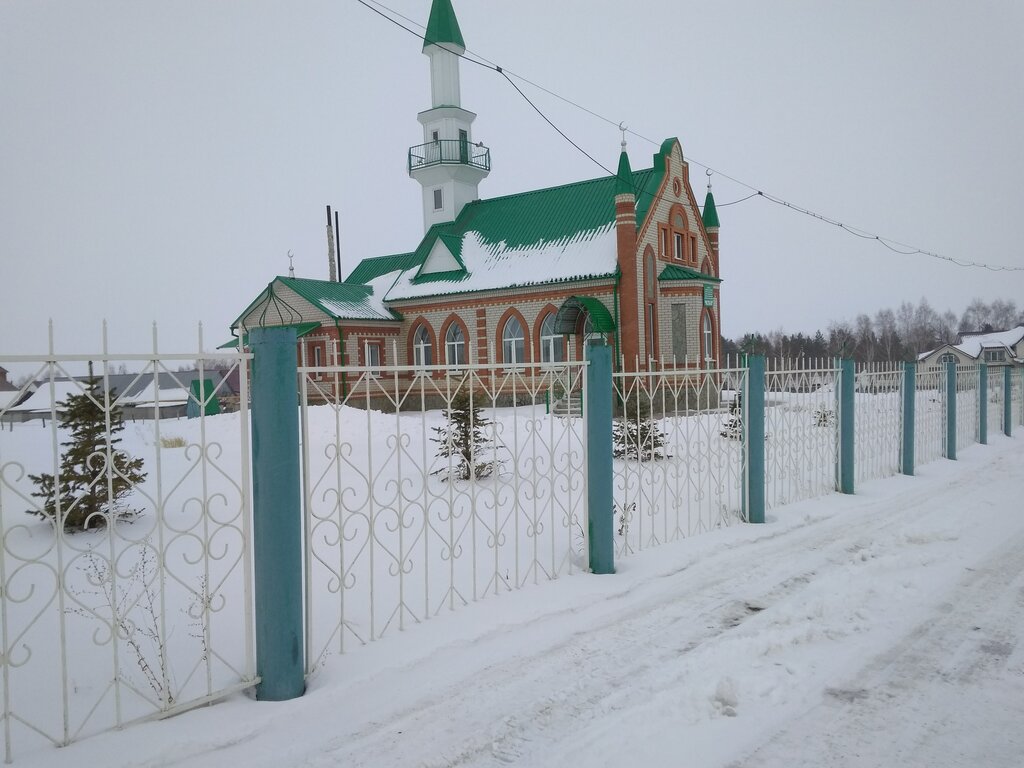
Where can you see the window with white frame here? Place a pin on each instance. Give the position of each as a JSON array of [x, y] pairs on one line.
[[709, 348], [948, 357], [994, 356], [438, 199], [513, 342], [455, 345], [552, 345], [422, 352], [372, 356]]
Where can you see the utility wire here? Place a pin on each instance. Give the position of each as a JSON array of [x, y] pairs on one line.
[[893, 245]]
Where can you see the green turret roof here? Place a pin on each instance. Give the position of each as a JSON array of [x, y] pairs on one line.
[[710, 215], [624, 176], [442, 26]]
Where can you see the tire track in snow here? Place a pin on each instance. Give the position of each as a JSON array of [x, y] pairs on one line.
[[592, 674]]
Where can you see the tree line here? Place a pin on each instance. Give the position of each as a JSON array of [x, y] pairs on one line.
[[890, 335]]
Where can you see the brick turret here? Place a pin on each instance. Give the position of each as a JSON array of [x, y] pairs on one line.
[[629, 289]]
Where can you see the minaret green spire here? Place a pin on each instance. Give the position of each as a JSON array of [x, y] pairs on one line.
[[710, 215], [442, 26], [624, 176]]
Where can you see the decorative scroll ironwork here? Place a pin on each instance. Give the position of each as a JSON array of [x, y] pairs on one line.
[[929, 414], [967, 407], [394, 535], [680, 457], [801, 429], [878, 420], [125, 620]]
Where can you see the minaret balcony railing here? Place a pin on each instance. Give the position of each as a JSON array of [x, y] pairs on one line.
[[449, 152]]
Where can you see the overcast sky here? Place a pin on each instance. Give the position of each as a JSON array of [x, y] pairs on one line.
[[158, 160]]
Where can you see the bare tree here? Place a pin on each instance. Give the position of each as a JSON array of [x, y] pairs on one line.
[[975, 317], [867, 342], [1003, 314]]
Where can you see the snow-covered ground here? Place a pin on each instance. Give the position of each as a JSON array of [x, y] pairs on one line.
[[882, 629]]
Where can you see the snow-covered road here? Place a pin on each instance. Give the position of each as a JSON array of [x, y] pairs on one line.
[[882, 629]]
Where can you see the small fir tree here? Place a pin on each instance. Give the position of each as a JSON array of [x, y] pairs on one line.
[[87, 498], [463, 440], [634, 433]]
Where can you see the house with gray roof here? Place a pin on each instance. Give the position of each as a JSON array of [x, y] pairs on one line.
[[999, 348]]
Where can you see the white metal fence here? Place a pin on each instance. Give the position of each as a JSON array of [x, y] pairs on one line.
[[424, 489], [801, 429], [1017, 396], [679, 454], [968, 426], [878, 426], [929, 414], [994, 395], [145, 609], [410, 511]]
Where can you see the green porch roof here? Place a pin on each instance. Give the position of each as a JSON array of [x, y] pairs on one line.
[[339, 301], [442, 26], [301, 330], [675, 272], [572, 308]]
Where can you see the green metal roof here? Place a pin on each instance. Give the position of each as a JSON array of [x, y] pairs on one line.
[[567, 319], [442, 26], [301, 329], [555, 215], [646, 191], [372, 268], [675, 272], [341, 301], [542, 215], [710, 215]]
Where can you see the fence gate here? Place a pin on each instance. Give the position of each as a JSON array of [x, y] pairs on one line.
[[140, 605], [427, 488]]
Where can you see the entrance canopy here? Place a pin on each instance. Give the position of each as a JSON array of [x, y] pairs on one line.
[[567, 319]]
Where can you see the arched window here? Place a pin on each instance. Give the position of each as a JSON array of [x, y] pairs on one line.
[[455, 345], [948, 357], [675, 237], [513, 342], [552, 345], [709, 344], [650, 301], [422, 352]]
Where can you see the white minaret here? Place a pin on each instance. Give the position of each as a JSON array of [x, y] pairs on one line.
[[448, 165]]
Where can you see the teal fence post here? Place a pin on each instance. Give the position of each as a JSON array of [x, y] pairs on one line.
[[909, 392], [753, 440], [846, 425], [597, 407], [1007, 402], [951, 410], [277, 515], [983, 404]]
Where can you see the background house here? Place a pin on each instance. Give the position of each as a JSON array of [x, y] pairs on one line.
[[997, 348]]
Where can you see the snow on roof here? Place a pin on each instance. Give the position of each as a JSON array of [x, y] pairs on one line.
[[973, 344], [493, 266], [40, 401], [370, 307], [168, 396]]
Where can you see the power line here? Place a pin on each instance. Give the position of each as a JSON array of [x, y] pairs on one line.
[[482, 61]]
